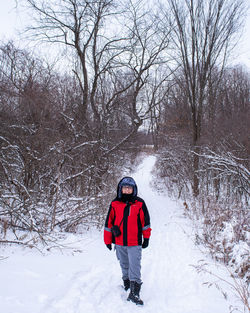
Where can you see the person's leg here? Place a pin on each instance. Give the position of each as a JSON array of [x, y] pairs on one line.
[[122, 256], [134, 255], [134, 258]]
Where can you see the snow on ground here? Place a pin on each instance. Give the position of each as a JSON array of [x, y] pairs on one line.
[[90, 281]]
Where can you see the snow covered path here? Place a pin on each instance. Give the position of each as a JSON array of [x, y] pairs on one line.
[[89, 282]]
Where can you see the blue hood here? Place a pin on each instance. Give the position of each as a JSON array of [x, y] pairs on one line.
[[126, 181]]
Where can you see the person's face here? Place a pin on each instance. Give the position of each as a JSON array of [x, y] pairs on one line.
[[127, 190]]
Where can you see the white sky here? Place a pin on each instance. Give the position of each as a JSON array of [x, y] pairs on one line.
[[13, 20]]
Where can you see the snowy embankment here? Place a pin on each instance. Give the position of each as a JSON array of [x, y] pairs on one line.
[[68, 281]]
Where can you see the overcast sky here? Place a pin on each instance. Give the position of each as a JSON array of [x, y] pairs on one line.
[[13, 19]]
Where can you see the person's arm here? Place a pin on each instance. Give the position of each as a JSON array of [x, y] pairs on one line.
[[107, 227], [146, 229]]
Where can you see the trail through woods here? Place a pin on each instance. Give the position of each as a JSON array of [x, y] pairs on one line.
[[90, 282]]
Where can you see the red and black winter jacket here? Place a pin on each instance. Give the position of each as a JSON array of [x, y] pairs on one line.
[[133, 220]]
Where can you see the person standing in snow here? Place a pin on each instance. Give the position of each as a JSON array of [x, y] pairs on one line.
[[127, 222]]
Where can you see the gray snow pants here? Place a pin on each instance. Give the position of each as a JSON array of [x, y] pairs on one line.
[[130, 262]]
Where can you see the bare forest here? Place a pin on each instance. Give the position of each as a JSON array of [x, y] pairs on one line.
[[131, 74]]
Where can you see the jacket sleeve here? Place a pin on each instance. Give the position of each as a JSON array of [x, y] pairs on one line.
[[108, 225], [145, 221]]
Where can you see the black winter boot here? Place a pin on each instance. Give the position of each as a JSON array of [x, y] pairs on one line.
[[134, 294], [126, 283]]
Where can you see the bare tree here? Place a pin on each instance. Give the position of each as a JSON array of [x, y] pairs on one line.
[[76, 25], [119, 57], [204, 32]]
